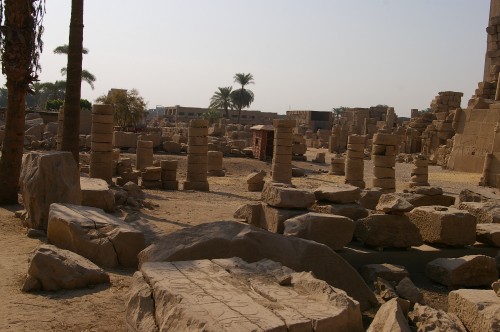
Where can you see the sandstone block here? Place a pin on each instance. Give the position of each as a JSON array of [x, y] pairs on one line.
[[485, 212], [96, 193], [350, 210], [407, 290], [479, 310], [384, 172], [426, 318], [369, 198], [391, 203], [384, 161], [389, 272], [281, 196], [389, 317], [339, 193], [489, 234]]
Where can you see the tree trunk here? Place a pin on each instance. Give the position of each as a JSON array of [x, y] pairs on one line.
[[71, 125], [227, 112], [239, 114]]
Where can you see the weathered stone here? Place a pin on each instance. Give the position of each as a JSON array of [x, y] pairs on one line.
[[485, 212], [444, 225], [388, 230], [428, 191], [467, 195], [56, 269], [40, 188], [389, 317], [408, 291], [96, 193], [479, 310], [391, 203], [489, 234], [134, 190], [353, 211], [298, 172], [100, 237], [429, 319], [369, 198], [466, 271], [251, 213], [496, 287], [232, 295], [225, 239], [339, 193], [140, 306], [334, 231], [385, 289], [282, 196], [274, 218], [390, 272], [425, 200]]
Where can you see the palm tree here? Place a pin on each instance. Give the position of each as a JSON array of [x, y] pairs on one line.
[[71, 124], [20, 47], [242, 98], [87, 76], [222, 99]]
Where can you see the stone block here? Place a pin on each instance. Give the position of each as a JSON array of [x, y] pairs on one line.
[[282, 196], [389, 317], [389, 272], [339, 193], [479, 310], [426, 318], [351, 210], [96, 193], [489, 234], [393, 204], [485, 212]]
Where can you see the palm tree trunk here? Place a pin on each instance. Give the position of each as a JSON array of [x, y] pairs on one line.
[[239, 114], [71, 125], [227, 112]]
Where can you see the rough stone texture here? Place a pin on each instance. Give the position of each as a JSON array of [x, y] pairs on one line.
[[282, 196], [251, 213], [466, 271], [489, 234], [384, 289], [334, 231], [140, 306], [273, 219], [369, 198], [444, 225], [40, 188], [479, 310], [256, 177], [340, 193], [390, 318], [496, 287], [390, 203], [387, 230], [389, 272], [408, 291], [225, 239], [485, 212], [467, 195], [426, 200], [100, 237], [427, 191], [96, 193], [353, 211], [55, 269], [429, 319]]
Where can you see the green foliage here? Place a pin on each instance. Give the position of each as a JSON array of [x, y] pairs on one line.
[[337, 111], [85, 104], [222, 99], [87, 77], [426, 110], [211, 115], [129, 107], [54, 104], [242, 97]]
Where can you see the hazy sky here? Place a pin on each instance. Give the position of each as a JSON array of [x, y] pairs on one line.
[[315, 54]]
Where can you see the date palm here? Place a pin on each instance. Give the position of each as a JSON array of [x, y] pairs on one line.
[[242, 97], [87, 76], [222, 99]]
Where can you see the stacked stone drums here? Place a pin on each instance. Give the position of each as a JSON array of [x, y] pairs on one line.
[[420, 172], [144, 155], [151, 177], [282, 152], [101, 154], [337, 165], [169, 174], [384, 161], [215, 163], [197, 160], [354, 164]]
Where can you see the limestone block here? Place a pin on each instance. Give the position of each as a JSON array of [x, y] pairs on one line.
[[389, 317], [389, 272], [428, 191], [46, 178], [282, 196], [479, 310], [338, 193], [407, 290], [489, 234], [444, 225], [96, 193], [393, 204], [332, 230], [352, 210], [100, 237], [387, 230], [140, 306], [171, 147], [426, 318], [485, 212], [124, 140], [466, 271], [425, 200], [369, 198], [225, 239], [384, 172], [52, 269], [252, 213], [274, 218]]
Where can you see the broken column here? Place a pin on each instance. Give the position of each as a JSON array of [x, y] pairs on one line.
[[384, 161], [151, 177], [197, 160], [215, 163], [354, 164], [282, 153], [144, 154], [420, 172], [337, 165], [101, 155], [169, 175]]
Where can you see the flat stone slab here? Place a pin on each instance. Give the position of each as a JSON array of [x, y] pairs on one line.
[[389, 272], [340, 193], [232, 295], [96, 193], [283, 196], [485, 212], [90, 232], [425, 200], [426, 318], [489, 234], [392, 203], [389, 317], [349, 210], [479, 310]]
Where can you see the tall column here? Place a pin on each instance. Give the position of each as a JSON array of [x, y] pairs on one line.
[[169, 174], [144, 155], [101, 155], [490, 74], [420, 172], [384, 161], [197, 160], [282, 153], [354, 165]]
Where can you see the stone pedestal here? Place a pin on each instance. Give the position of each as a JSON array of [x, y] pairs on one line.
[[215, 163], [420, 172], [337, 166], [101, 155], [354, 165], [282, 153], [384, 160], [144, 154], [169, 175], [151, 177], [197, 160]]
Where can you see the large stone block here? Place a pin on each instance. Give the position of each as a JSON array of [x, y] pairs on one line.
[[100, 237], [46, 178], [282, 196], [339, 193], [485, 212], [427, 200], [352, 211], [389, 317], [489, 234], [96, 193], [124, 140], [392, 203], [334, 231], [444, 225], [389, 272], [426, 318], [273, 219], [226, 239], [478, 309]]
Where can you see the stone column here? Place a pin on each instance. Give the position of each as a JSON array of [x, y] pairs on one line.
[[144, 154], [384, 161], [490, 73], [197, 160], [282, 154], [337, 166], [215, 163], [60, 121], [354, 165], [151, 177], [169, 174], [420, 172], [101, 155]]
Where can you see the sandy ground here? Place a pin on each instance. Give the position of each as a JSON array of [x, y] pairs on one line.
[[101, 308]]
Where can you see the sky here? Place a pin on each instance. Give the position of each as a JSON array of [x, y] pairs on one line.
[[303, 55]]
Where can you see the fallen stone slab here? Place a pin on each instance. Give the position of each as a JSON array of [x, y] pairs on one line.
[[339, 193], [273, 219], [232, 295], [251, 213], [96, 193], [407, 290], [283, 196], [467, 271], [489, 234], [426, 318], [427, 191], [392, 203], [389, 272], [387, 230], [225, 239], [444, 225], [389, 317], [385, 289], [485, 212], [140, 306], [331, 230], [90, 232], [425, 200], [369, 198], [496, 287], [467, 195], [351, 210], [479, 310], [52, 269]]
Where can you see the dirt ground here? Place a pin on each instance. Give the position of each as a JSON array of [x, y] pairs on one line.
[[101, 308]]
